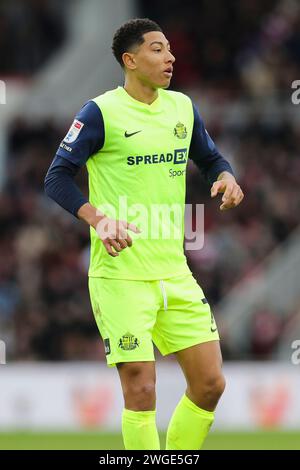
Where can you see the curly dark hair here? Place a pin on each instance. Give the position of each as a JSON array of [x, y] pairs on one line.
[[131, 34]]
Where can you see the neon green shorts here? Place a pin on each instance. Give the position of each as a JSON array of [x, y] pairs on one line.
[[173, 313]]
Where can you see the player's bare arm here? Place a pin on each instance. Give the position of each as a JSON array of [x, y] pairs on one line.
[[232, 192]]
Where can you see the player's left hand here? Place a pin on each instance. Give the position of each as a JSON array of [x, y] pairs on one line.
[[233, 195]]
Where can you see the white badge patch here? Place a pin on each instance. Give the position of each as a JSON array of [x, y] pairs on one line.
[[74, 131]]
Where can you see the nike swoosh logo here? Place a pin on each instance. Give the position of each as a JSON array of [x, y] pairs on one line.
[[213, 330], [132, 133]]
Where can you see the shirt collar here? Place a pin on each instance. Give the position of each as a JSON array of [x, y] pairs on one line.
[[154, 107]]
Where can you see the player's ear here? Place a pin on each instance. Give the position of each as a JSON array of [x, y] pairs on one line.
[[129, 60]]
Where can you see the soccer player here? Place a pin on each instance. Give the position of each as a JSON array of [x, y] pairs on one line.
[[135, 141]]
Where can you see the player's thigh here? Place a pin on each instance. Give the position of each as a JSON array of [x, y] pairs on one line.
[[125, 314], [188, 319], [201, 363]]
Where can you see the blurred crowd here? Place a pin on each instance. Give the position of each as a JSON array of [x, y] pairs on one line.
[[44, 303], [238, 48], [248, 46], [266, 160], [30, 31]]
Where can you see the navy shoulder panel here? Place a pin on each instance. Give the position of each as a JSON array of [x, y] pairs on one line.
[[85, 136]]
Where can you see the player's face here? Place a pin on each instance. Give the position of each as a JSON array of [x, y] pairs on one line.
[[154, 60]]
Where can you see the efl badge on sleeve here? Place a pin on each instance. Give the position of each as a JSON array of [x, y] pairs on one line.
[[74, 131]]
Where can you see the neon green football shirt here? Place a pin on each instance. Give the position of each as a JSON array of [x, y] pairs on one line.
[[139, 175]]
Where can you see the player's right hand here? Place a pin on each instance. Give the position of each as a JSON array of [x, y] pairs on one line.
[[114, 235]]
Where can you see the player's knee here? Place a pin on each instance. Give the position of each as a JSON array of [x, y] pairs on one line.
[[140, 396], [208, 391], [214, 387], [220, 385]]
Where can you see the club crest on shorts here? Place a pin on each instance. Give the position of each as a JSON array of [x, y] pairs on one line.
[[180, 130], [128, 342]]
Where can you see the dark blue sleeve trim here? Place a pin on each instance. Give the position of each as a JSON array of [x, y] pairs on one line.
[[60, 185], [204, 153], [85, 136]]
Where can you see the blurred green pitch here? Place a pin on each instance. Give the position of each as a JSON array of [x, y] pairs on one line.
[[99, 441]]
